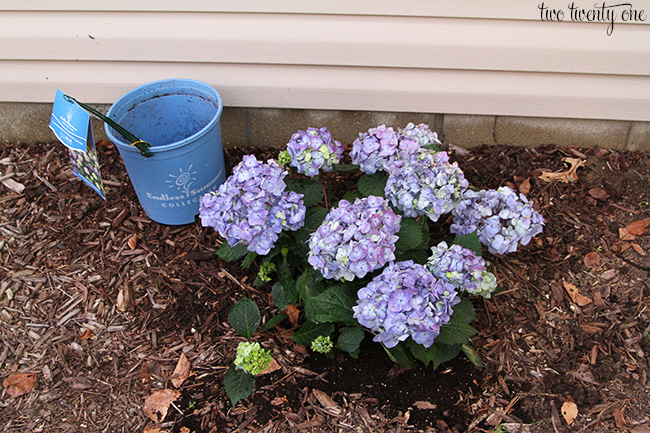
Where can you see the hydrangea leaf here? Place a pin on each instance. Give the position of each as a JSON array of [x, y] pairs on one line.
[[273, 322], [238, 384], [351, 196], [410, 235], [455, 332], [464, 311], [420, 352], [311, 189], [335, 305], [401, 355], [285, 278], [310, 331], [245, 317], [443, 353], [470, 241], [279, 296], [349, 339], [228, 253], [248, 261], [310, 285], [469, 349], [373, 184], [313, 219]]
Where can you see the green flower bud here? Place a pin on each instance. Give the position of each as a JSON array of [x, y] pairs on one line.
[[252, 358], [322, 344]]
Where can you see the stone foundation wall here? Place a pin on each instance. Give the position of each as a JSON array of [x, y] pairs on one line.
[[28, 123]]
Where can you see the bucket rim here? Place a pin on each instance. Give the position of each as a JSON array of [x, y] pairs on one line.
[[132, 97]]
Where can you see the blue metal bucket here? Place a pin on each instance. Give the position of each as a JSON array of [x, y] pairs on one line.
[[180, 119]]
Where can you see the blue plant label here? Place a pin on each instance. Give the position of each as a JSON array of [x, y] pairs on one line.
[[71, 125]]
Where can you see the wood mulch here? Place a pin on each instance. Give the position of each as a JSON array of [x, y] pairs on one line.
[[99, 302]]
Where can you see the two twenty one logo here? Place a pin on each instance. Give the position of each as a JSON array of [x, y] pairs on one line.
[[183, 181]]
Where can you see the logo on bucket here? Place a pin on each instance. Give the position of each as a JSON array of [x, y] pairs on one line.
[[183, 181]]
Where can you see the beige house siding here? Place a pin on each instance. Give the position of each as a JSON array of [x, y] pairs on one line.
[[431, 56]]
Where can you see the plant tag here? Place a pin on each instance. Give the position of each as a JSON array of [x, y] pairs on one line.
[[71, 124]]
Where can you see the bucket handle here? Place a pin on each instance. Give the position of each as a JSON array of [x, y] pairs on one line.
[[142, 146]]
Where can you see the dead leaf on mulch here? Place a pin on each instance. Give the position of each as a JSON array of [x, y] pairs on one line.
[[619, 419], [273, 366], [157, 404], [18, 384], [574, 294], [132, 242], [584, 374], [592, 259], [524, 186], [123, 301], [326, 401], [181, 372], [598, 193], [565, 176], [634, 229], [293, 313], [639, 249], [569, 411]]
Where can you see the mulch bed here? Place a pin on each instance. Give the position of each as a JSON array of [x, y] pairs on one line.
[[103, 321]]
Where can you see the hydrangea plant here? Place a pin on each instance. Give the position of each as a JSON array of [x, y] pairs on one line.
[[503, 219], [405, 300], [355, 239], [252, 207], [252, 357], [313, 150], [427, 184], [364, 263]]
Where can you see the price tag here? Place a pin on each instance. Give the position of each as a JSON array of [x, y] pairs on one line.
[[72, 126]]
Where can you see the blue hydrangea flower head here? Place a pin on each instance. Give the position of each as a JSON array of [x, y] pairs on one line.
[[252, 207], [380, 148], [420, 133], [355, 239], [314, 150], [404, 301], [426, 184], [502, 218], [462, 268]]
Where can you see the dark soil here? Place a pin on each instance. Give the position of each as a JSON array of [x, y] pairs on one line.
[[104, 324]]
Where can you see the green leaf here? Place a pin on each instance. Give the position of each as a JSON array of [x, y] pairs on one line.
[[279, 296], [419, 351], [314, 218], [273, 322], [335, 305], [373, 184], [440, 353], [309, 285], [310, 331], [401, 355], [350, 339], [238, 384], [311, 189], [228, 253], [248, 261], [469, 349], [410, 235], [464, 311], [285, 277], [469, 241], [351, 196], [245, 317], [345, 167], [455, 332]]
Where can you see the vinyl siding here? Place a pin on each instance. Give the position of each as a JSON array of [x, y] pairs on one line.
[[466, 57]]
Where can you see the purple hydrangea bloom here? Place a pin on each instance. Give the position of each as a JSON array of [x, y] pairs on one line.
[[421, 133], [503, 219], [252, 207], [427, 184], [313, 150], [462, 268], [405, 300], [380, 148], [355, 238]]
